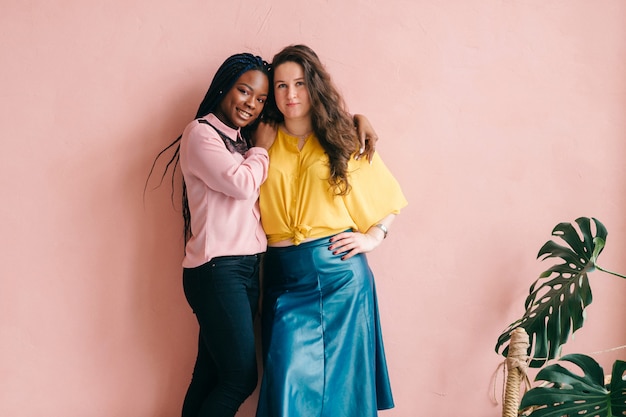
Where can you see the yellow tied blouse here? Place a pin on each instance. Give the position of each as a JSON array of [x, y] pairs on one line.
[[297, 201]]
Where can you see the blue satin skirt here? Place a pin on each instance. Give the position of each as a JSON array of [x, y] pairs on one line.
[[323, 350]]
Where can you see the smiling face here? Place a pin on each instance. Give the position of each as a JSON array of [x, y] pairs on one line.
[[290, 91], [244, 102]]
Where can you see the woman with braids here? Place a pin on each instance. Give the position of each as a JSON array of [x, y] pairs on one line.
[[222, 173], [322, 210]]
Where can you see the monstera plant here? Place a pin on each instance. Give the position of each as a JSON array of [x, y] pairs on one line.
[[555, 309]]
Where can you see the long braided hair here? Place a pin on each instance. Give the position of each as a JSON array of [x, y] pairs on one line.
[[332, 124], [225, 77]]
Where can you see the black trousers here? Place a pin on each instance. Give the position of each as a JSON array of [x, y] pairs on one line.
[[223, 294]]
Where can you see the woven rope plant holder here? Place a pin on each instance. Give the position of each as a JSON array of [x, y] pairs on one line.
[[516, 366]]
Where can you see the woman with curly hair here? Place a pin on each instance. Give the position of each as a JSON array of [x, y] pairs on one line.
[[322, 209]]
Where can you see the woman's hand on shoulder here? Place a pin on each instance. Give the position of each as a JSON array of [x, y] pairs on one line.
[[353, 243], [367, 137], [265, 134]]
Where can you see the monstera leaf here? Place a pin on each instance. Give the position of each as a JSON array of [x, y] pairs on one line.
[[556, 305], [569, 394]]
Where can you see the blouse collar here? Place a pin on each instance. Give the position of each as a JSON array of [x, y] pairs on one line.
[[234, 134]]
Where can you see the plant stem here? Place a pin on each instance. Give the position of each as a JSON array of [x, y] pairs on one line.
[[610, 272]]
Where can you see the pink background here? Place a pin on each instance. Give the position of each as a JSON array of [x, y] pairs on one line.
[[499, 118]]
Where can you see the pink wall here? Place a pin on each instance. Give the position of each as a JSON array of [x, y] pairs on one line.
[[499, 118]]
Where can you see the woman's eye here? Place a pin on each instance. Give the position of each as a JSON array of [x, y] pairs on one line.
[[242, 91], [261, 100]]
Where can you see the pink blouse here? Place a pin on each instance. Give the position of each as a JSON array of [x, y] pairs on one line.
[[223, 191]]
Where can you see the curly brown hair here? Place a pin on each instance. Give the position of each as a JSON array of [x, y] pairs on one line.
[[332, 124]]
